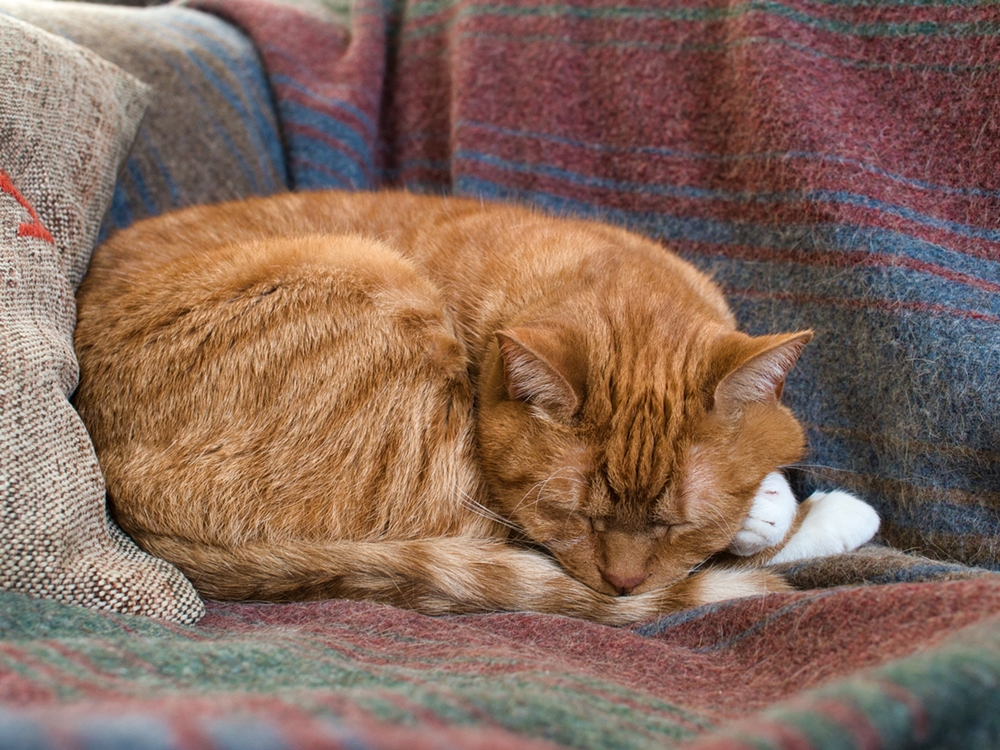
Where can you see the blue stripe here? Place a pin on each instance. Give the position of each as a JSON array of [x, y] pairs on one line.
[[348, 137], [764, 156], [660, 626], [17, 731], [154, 154], [122, 732], [119, 215], [929, 571], [354, 160], [244, 733], [249, 102], [258, 147], [311, 176], [836, 197], [223, 134], [148, 202], [806, 238], [347, 107], [850, 283]]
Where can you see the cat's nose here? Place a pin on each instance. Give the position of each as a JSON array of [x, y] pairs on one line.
[[623, 582]]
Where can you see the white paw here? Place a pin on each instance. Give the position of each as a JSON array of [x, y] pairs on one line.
[[770, 517], [835, 522]]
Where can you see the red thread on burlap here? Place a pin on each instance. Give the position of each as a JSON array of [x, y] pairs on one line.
[[35, 228]]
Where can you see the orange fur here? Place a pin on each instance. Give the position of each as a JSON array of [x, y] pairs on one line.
[[438, 403]]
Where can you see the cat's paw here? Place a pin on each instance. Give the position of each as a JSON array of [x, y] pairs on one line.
[[770, 517], [835, 522]]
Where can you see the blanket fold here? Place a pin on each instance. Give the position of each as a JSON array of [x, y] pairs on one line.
[[893, 666]]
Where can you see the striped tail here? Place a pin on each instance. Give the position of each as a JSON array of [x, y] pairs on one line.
[[440, 576]]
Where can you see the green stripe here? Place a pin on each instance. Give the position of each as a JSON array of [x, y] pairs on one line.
[[953, 687]]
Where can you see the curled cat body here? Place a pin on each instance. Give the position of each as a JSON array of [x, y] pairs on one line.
[[441, 404]]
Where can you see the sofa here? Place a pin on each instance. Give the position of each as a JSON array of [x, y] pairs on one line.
[[832, 164]]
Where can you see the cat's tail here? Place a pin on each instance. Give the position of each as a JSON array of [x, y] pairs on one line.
[[448, 575]]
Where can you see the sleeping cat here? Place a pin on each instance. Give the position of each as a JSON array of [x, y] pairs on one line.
[[440, 404]]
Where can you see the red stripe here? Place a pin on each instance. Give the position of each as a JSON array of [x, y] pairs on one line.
[[33, 229]]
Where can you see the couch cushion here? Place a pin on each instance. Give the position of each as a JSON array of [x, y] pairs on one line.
[[66, 122]]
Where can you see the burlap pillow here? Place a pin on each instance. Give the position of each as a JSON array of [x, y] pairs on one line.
[[67, 118]]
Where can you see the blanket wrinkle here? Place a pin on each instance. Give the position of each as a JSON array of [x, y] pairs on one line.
[[817, 660]]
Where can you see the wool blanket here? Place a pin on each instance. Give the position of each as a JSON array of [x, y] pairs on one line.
[[894, 666]]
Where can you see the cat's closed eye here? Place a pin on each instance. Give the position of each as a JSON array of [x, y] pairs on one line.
[[661, 530]]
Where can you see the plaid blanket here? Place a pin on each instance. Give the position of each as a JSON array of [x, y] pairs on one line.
[[899, 666], [832, 162]]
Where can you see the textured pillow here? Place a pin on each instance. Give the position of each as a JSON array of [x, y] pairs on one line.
[[67, 118]]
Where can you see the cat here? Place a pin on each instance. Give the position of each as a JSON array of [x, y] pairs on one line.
[[442, 404]]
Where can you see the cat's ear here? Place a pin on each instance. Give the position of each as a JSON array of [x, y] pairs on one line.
[[757, 368], [544, 364]]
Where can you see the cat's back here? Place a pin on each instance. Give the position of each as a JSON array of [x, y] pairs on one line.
[[236, 383], [470, 249]]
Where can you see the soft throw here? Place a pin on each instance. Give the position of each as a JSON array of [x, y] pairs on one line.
[[832, 163], [898, 666]]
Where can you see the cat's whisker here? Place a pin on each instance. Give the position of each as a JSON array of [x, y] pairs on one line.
[[543, 485], [721, 522], [476, 507], [697, 567], [817, 468], [540, 486]]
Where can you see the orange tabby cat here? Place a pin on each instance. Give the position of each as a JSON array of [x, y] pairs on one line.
[[435, 403]]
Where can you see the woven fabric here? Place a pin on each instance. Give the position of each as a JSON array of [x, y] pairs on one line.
[[210, 133], [67, 118], [903, 667], [832, 164]]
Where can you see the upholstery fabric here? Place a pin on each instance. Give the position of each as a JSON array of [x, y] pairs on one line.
[[833, 164], [67, 118]]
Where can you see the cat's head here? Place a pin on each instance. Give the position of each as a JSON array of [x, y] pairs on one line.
[[633, 459]]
